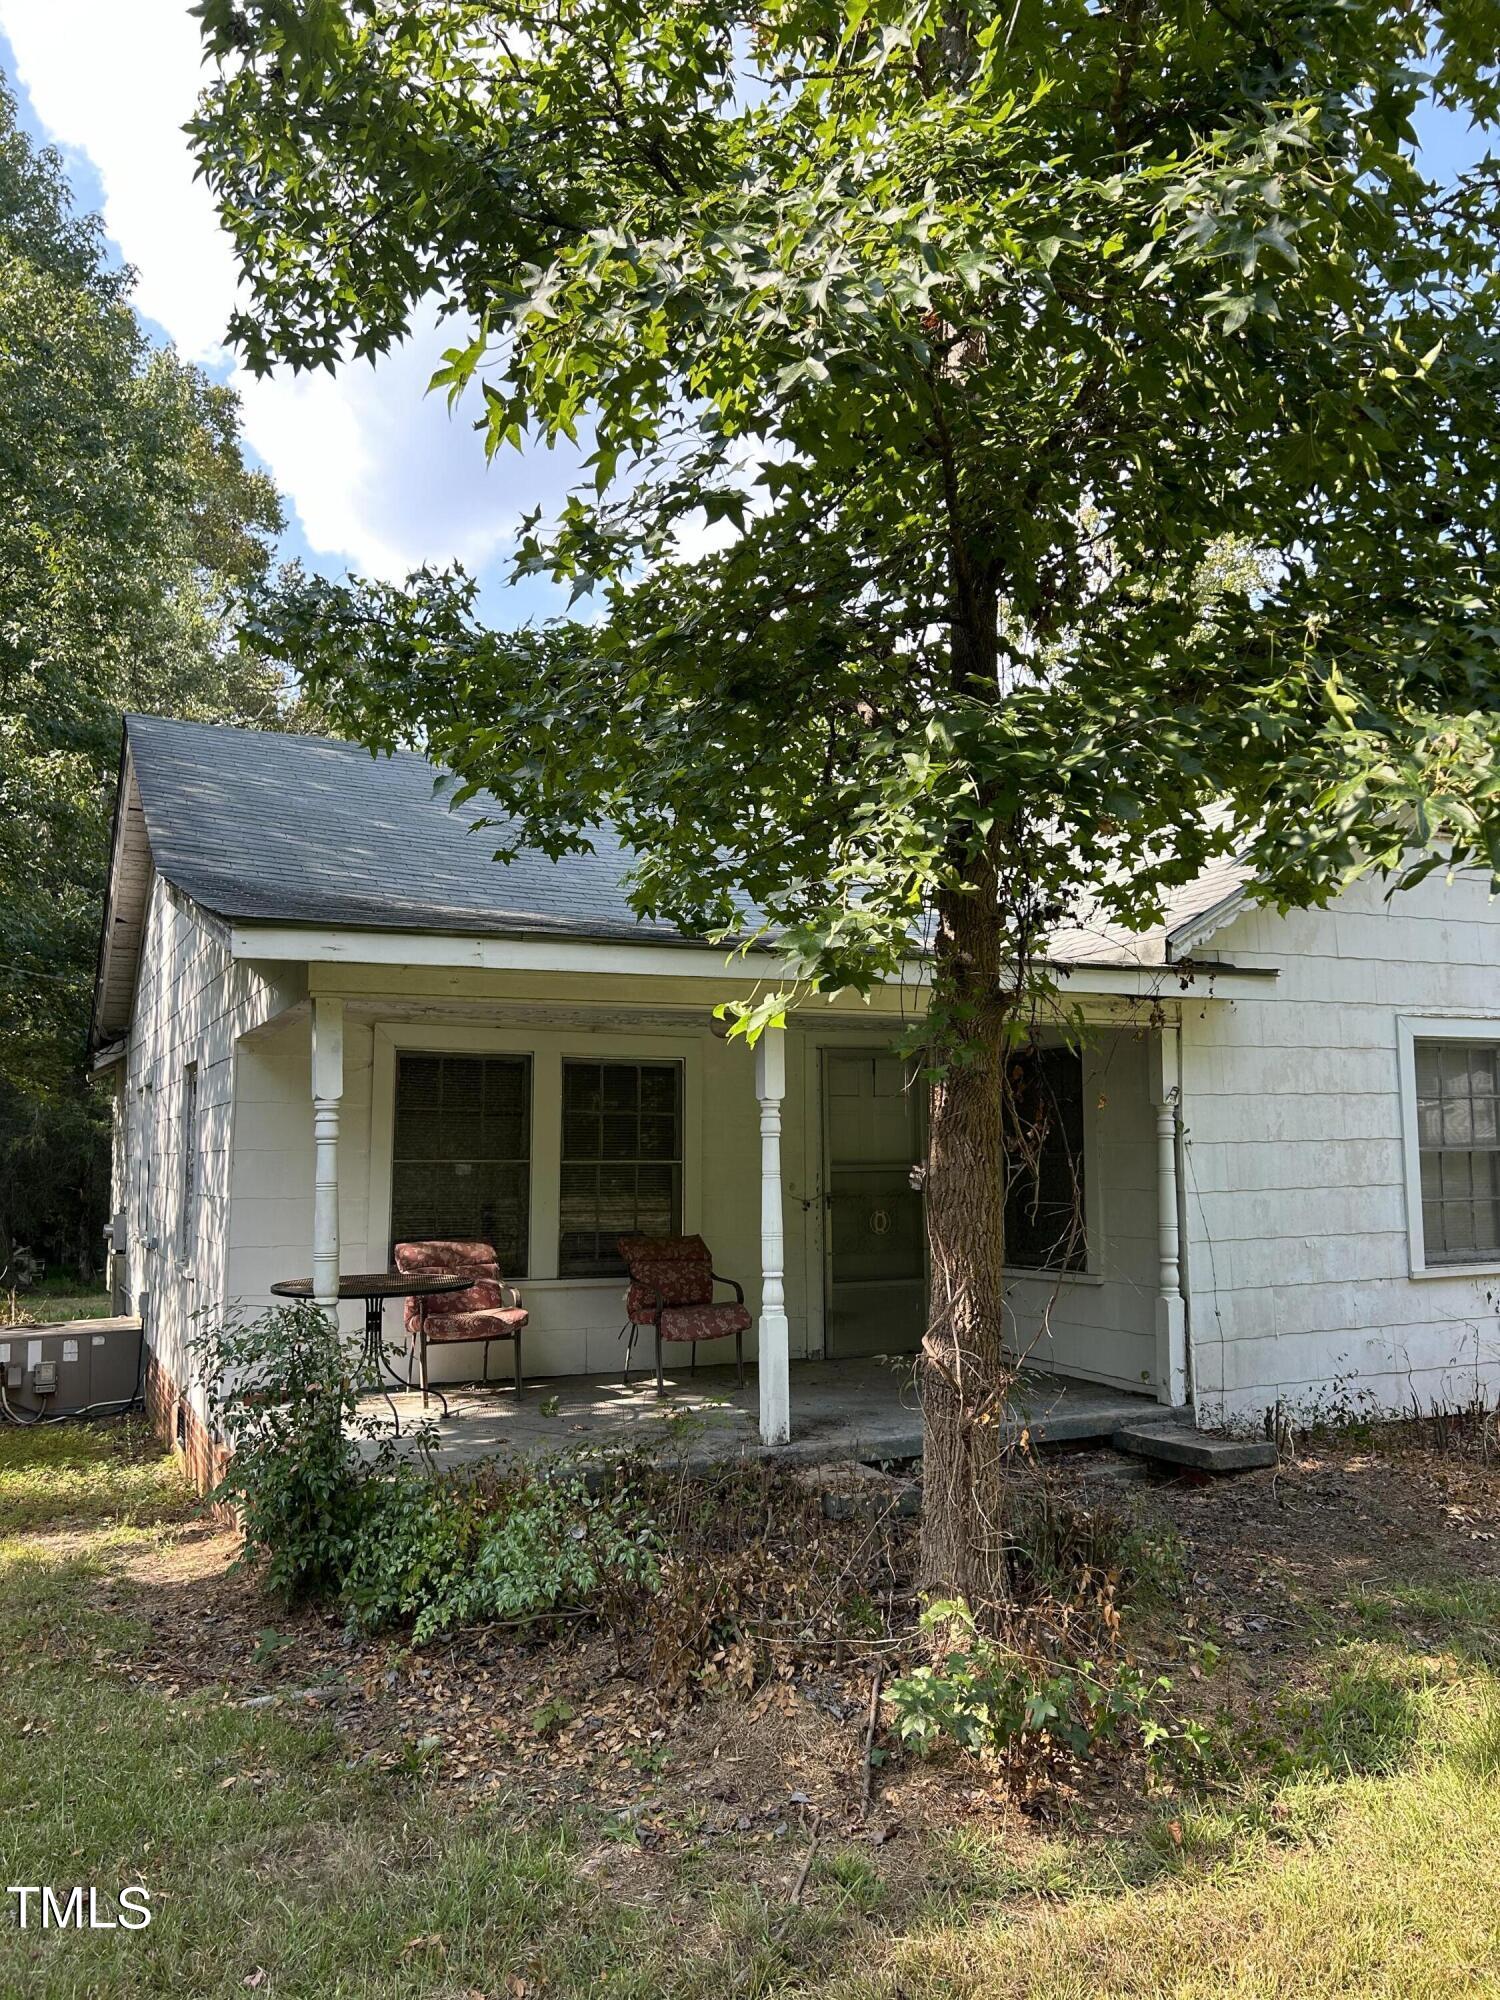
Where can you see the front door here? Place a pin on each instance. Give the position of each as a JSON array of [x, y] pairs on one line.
[[876, 1290]]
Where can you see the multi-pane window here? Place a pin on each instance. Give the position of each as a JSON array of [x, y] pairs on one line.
[[621, 1160], [1044, 1161], [1458, 1144], [461, 1157]]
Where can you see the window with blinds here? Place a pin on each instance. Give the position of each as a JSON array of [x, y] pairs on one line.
[[1044, 1211], [1458, 1145], [621, 1161], [461, 1156]]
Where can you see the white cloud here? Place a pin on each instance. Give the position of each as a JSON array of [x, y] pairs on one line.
[[380, 475]]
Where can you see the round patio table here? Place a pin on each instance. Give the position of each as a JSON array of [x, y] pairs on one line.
[[374, 1288]]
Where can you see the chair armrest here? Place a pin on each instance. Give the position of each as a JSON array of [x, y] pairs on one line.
[[509, 1296], [739, 1289]]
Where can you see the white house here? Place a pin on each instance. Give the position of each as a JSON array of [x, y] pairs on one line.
[[332, 1020]]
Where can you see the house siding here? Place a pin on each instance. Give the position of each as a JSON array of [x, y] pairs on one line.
[[192, 1003], [1301, 1290]]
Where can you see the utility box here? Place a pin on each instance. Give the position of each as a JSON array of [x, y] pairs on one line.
[[54, 1371]]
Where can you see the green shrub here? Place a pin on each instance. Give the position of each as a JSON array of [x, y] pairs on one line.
[[283, 1399], [373, 1533], [439, 1554], [1020, 1712]]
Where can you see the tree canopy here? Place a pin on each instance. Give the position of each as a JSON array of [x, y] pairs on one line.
[[128, 520], [986, 331], [1016, 429]]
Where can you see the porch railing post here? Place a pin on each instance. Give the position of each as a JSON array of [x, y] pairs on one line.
[[773, 1336], [327, 1090], [1171, 1311]]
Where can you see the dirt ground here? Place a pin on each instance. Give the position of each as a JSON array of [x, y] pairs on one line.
[[562, 1723]]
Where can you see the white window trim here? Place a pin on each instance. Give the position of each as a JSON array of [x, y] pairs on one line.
[[547, 1050], [1411, 1029]]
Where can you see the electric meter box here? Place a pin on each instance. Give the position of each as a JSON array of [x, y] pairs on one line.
[[54, 1370]]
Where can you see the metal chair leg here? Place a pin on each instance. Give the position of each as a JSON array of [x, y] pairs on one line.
[[422, 1338], [661, 1387], [627, 1334], [519, 1384], [739, 1359], [693, 1359], [485, 1376]]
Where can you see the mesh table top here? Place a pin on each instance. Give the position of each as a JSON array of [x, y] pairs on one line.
[[377, 1285]]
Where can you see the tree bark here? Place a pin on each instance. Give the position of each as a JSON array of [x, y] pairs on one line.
[[964, 1374]]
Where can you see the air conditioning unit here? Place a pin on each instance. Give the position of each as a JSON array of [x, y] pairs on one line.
[[58, 1371]]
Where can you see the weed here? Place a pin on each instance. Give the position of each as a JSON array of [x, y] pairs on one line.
[[1027, 1715]]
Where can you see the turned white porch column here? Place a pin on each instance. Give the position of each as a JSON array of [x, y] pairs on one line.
[[772, 1332], [1171, 1313], [327, 1089]]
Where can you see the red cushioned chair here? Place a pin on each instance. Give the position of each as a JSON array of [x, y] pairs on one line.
[[486, 1311], [672, 1281]]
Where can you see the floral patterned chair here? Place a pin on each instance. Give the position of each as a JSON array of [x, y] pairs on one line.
[[486, 1311], [672, 1281]]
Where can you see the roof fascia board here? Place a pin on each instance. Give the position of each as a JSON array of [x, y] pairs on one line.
[[119, 834], [312, 946], [1166, 982]]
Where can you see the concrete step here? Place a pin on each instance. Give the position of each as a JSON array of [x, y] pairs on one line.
[[1176, 1444]]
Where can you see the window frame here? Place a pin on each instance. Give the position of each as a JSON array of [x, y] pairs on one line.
[[1411, 1029], [678, 1161], [420, 1052], [547, 1044]]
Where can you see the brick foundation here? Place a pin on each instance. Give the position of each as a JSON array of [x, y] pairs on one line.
[[178, 1424]]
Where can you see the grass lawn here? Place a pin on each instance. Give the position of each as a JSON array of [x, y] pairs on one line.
[[1354, 1852], [53, 1300]]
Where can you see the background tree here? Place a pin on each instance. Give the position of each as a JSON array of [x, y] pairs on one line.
[[128, 519], [975, 336]]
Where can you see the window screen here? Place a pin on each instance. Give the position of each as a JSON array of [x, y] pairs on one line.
[[1458, 1142], [621, 1161], [1044, 1161], [461, 1159]]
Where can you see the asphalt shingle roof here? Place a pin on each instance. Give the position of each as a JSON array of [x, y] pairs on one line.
[[267, 827], [260, 826]]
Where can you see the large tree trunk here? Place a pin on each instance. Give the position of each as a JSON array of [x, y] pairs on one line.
[[963, 1369]]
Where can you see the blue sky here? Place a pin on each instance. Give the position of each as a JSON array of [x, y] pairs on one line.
[[377, 476]]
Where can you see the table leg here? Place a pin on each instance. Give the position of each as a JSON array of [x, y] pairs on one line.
[[375, 1355]]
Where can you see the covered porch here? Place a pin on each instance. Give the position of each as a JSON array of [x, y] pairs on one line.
[[793, 1161]]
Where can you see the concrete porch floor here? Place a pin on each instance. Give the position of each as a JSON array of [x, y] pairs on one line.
[[840, 1409]]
